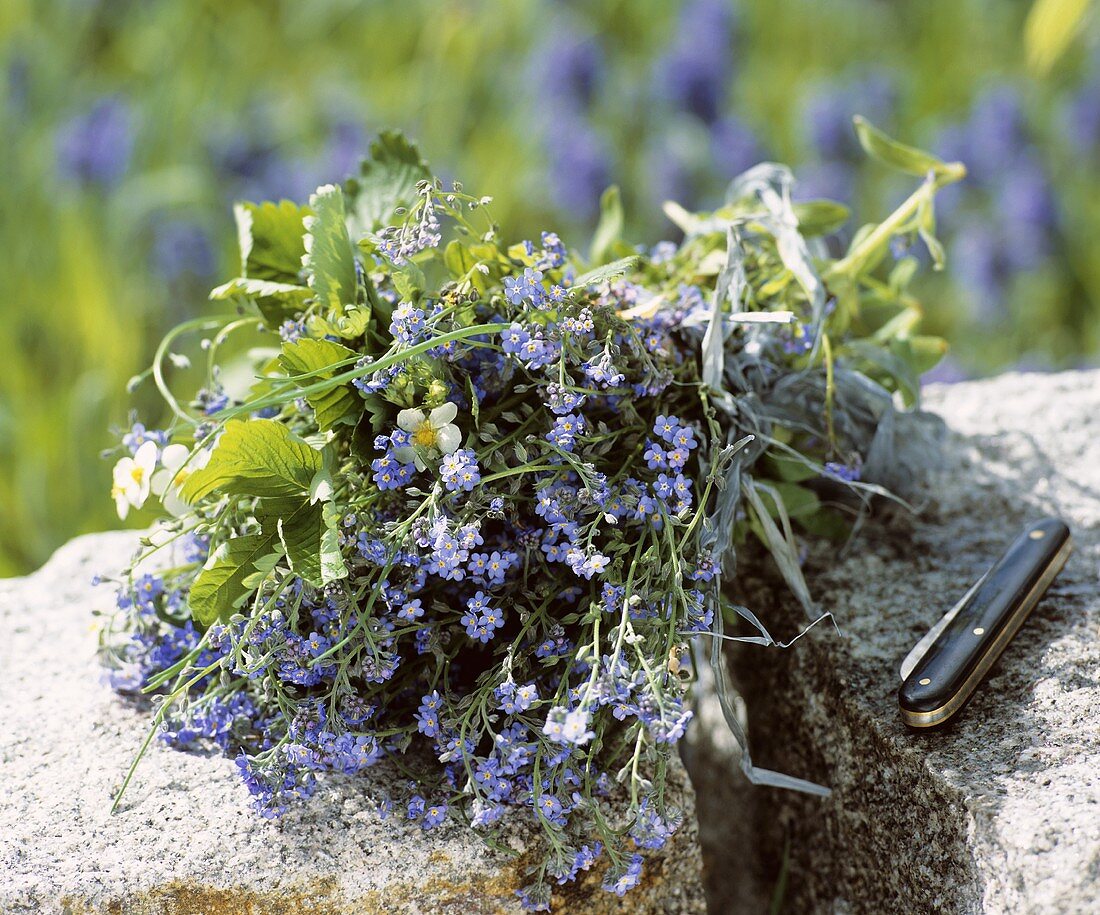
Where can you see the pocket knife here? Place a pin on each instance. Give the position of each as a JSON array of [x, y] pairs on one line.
[[945, 667]]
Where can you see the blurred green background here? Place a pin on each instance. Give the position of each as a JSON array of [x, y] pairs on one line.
[[128, 127]]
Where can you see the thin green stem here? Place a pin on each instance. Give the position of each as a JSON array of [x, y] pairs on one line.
[[888, 228], [157, 721], [162, 351], [293, 391]]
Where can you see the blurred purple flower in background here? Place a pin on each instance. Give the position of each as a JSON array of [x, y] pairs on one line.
[[567, 76], [951, 146], [1081, 113], [980, 266], [829, 108], [695, 143], [834, 156], [569, 70], [257, 170], [257, 163], [580, 166], [182, 250], [995, 133], [1005, 215], [689, 141], [1027, 212], [694, 74], [825, 180], [346, 146], [828, 124], [18, 84], [669, 171], [94, 147], [734, 147]]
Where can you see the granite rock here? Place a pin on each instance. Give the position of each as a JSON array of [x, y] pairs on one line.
[[736, 875], [1000, 812], [184, 840]]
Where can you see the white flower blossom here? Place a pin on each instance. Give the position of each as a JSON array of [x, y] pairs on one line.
[[131, 478], [428, 432], [564, 726], [167, 481]]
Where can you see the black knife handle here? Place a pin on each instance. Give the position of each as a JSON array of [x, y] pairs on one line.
[[945, 678]]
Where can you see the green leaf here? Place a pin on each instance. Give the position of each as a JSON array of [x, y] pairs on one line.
[[380, 308], [797, 500], [927, 351], [351, 323], [330, 258], [687, 222], [788, 469], [775, 537], [870, 259], [1051, 26], [321, 489], [820, 217], [264, 566], [474, 401], [387, 180], [900, 324], [926, 228], [370, 424], [409, 281], [332, 406], [271, 240], [461, 261], [219, 588], [607, 272], [827, 523], [902, 274], [609, 230], [309, 533], [246, 286], [256, 457], [332, 560], [277, 302], [896, 361], [907, 159], [457, 259]]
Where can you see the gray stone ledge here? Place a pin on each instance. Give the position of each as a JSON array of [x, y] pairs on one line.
[[185, 841], [1001, 812]]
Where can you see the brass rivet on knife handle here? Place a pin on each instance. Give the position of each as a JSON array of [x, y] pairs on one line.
[[942, 681]]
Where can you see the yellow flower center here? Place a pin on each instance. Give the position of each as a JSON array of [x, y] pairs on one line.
[[424, 435], [138, 473], [181, 477]]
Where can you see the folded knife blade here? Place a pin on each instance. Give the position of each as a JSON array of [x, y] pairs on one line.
[[945, 667]]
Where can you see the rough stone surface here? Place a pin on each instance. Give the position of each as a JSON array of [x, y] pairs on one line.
[[185, 841], [735, 873], [1001, 811]]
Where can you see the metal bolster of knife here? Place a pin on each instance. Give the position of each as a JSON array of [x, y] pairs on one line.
[[939, 681]]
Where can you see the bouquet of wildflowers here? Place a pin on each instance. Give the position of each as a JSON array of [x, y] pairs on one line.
[[478, 502]]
